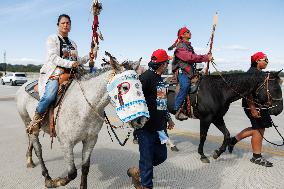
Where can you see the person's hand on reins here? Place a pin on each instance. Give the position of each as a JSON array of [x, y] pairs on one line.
[[171, 124], [75, 64]]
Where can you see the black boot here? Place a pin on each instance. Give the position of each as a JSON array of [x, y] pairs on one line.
[[231, 145]]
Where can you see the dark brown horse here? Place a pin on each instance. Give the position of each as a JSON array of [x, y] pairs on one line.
[[215, 94]]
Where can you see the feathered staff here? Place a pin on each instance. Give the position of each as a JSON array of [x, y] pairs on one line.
[[96, 35], [215, 21]]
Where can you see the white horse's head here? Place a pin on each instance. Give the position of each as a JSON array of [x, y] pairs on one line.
[[125, 91]]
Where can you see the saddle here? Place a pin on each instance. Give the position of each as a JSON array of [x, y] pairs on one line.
[[32, 90]]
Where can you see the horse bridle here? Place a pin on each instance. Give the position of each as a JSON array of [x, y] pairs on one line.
[[265, 83]]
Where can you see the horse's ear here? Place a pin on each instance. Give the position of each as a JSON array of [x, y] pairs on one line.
[[113, 62], [136, 65], [277, 73]]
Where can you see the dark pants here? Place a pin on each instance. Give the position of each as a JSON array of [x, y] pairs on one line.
[[152, 153]]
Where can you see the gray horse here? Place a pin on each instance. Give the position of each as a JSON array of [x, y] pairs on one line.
[[80, 119]]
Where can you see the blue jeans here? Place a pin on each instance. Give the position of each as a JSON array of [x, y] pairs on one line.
[[184, 83], [152, 153], [49, 96]]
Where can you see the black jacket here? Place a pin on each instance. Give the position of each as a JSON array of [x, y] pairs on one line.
[[154, 90]]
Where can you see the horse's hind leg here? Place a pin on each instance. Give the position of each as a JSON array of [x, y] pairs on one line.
[[38, 151], [29, 154], [204, 126], [220, 124], [88, 146]]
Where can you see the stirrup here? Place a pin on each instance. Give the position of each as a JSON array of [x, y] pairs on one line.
[[261, 161]]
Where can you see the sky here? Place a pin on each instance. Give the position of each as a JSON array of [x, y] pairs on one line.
[[135, 28]]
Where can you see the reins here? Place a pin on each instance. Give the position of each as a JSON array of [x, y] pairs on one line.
[[269, 97], [275, 126], [105, 118], [219, 73]]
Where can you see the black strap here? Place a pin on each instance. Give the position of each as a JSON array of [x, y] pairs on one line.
[[63, 41], [112, 129]]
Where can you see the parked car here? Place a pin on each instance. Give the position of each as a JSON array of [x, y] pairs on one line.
[[14, 78]]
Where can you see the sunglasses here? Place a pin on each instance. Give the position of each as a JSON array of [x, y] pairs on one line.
[[264, 59]]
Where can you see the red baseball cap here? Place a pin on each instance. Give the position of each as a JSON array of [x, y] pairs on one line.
[[256, 56], [160, 55]]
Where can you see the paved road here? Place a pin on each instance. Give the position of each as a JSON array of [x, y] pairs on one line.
[[109, 162]]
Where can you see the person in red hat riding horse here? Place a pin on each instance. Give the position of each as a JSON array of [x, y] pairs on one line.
[[184, 63], [153, 150], [260, 119]]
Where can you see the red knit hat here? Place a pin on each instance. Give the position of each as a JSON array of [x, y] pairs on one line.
[[182, 31], [256, 56], [160, 55]]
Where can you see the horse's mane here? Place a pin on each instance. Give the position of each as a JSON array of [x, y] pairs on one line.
[[84, 75], [217, 81]]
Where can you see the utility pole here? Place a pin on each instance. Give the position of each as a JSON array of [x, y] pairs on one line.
[[5, 64]]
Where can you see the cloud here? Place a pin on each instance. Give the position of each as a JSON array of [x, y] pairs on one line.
[[29, 9], [234, 48], [20, 8], [222, 48], [241, 63]]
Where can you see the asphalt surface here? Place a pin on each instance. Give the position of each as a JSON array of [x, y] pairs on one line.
[[109, 161]]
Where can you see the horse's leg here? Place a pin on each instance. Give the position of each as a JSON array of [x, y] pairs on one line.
[[72, 171], [204, 126], [88, 146], [29, 154], [38, 151], [220, 124]]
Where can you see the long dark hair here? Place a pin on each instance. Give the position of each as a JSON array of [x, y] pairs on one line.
[[63, 16], [253, 64]]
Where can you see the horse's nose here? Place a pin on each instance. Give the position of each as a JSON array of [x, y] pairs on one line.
[[139, 122]]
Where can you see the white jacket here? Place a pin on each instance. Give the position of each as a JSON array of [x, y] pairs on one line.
[[54, 60]]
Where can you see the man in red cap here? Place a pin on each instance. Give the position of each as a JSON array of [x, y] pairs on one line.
[[185, 63], [259, 118], [152, 151]]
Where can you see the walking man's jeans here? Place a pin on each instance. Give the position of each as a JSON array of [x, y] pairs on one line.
[[184, 84], [152, 153], [49, 96]]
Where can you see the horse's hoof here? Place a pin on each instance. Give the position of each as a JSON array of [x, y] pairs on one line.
[[31, 165], [216, 154], [204, 160], [49, 183], [174, 148]]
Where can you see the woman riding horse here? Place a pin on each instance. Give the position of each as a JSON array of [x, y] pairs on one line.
[[62, 55]]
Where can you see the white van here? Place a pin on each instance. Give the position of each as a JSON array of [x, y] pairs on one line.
[[14, 78]]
